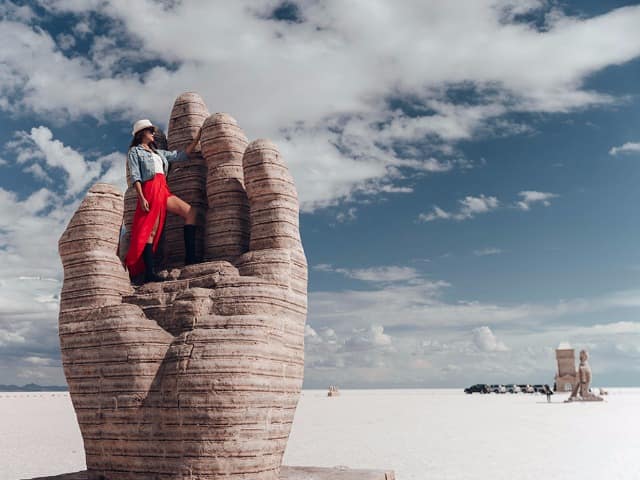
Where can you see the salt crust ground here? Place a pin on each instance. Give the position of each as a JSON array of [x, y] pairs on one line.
[[422, 434]]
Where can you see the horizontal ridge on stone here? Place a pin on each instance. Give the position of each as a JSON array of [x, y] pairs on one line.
[[223, 145]]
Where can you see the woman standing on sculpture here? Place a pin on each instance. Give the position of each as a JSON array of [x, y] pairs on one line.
[[148, 167]]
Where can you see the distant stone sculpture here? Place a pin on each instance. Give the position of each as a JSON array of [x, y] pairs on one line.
[[197, 377], [566, 378], [582, 390]]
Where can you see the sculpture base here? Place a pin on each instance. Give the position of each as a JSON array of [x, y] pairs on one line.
[[595, 398], [286, 473]]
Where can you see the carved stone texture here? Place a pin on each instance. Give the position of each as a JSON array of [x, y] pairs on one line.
[[130, 203], [94, 276], [223, 145], [194, 378], [273, 197], [187, 116]]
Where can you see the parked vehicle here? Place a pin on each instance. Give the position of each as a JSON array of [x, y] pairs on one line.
[[512, 388], [507, 388], [477, 388]]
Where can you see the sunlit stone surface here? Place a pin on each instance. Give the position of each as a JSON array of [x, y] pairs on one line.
[[197, 377]]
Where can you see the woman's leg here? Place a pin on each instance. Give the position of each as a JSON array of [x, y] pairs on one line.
[[147, 255], [188, 213], [144, 233], [152, 235], [179, 207]]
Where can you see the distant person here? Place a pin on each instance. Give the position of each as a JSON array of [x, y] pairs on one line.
[[148, 167], [548, 392]]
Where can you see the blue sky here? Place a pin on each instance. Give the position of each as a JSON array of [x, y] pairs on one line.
[[467, 170]]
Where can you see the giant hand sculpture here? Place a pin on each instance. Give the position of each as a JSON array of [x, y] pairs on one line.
[[197, 377]]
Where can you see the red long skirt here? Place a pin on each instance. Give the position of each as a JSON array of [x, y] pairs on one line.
[[156, 192]]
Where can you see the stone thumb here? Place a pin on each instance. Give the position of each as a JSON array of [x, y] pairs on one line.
[[93, 274]]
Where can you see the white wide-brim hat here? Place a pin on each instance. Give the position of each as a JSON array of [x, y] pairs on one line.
[[141, 125]]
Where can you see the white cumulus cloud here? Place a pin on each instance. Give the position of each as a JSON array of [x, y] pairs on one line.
[[530, 197], [629, 147], [486, 341], [47, 153], [327, 84], [382, 274], [470, 206]]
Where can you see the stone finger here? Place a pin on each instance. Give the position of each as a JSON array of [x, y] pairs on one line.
[[187, 116], [93, 273], [273, 198], [227, 219], [186, 180]]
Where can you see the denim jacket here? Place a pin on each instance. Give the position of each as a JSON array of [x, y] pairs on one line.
[[140, 163]]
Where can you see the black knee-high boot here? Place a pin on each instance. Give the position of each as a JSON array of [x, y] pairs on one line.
[[149, 272], [190, 245]]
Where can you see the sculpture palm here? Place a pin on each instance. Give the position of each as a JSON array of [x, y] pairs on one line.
[[197, 377]]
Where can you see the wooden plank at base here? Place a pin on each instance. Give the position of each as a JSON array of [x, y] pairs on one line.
[[286, 473], [65, 476], [336, 473]]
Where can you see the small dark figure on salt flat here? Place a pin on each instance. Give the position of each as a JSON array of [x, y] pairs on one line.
[[148, 167], [548, 392]]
